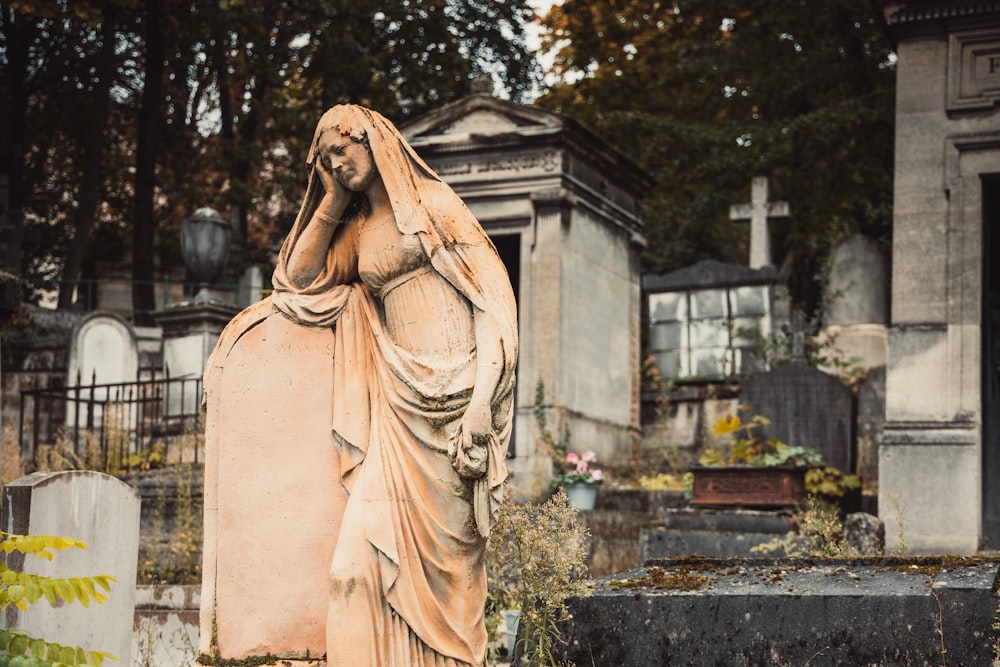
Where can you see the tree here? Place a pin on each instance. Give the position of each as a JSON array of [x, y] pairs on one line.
[[210, 103], [92, 145], [705, 95]]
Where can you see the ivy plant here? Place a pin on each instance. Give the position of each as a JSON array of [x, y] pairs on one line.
[[22, 589]]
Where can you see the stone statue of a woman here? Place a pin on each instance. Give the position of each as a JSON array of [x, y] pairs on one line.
[[425, 346]]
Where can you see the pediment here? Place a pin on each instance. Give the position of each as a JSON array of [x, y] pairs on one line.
[[479, 116]]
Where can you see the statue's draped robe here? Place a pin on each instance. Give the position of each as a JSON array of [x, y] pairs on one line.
[[408, 582]]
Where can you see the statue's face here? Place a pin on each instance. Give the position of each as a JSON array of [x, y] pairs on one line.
[[348, 160]]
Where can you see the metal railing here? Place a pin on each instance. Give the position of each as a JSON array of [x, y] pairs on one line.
[[118, 427]]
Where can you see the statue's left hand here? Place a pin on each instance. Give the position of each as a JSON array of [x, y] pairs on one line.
[[469, 452]]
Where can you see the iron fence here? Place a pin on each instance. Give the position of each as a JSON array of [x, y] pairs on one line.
[[117, 427]]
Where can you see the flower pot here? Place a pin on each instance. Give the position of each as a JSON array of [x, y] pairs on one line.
[[582, 496], [511, 618], [777, 487]]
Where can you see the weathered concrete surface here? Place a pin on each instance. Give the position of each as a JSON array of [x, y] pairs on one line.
[[165, 633], [886, 612]]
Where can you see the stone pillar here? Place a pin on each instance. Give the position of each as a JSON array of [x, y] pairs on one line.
[[190, 331]]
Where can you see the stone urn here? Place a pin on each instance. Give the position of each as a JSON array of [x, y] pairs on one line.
[[205, 239]]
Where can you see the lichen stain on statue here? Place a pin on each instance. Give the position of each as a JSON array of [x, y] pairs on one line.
[[408, 422]]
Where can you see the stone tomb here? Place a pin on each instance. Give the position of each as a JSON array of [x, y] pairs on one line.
[[273, 500], [103, 512], [737, 612], [563, 208]]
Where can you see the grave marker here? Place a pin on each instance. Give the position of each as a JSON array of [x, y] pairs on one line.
[[758, 212], [273, 499], [807, 407], [101, 511]]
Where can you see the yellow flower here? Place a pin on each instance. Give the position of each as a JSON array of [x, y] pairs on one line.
[[727, 425]]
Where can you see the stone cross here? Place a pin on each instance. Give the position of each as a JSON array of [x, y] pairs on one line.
[[757, 212]]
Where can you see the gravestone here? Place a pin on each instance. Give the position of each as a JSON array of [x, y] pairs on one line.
[[99, 510], [103, 350], [806, 406], [273, 500], [856, 303], [758, 212]]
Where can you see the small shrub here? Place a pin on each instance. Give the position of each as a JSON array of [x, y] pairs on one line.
[[535, 563]]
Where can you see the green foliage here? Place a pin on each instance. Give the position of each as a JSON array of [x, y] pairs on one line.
[[820, 532], [704, 95], [22, 589], [556, 449], [665, 480], [535, 562], [748, 448], [228, 122]]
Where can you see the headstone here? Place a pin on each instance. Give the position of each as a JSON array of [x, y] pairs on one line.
[[857, 289], [101, 511], [856, 303], [758, 212], [807, 407], [735, 612], [273, 500], [103, 350]]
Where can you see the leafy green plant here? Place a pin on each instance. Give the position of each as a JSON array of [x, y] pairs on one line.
[[556, 449], [21, 589], [748, 448], [535, 562]]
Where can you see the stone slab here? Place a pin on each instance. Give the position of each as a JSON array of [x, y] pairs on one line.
[[654, 544], [887, 612], [273, 499]]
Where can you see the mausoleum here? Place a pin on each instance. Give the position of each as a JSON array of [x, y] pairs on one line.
[[939, 465], [563, 209]]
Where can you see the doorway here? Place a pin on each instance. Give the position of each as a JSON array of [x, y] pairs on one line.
[[509, 248], [990, 332]]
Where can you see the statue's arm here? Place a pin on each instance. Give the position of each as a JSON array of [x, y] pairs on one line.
[[478, 420], [308, 258]]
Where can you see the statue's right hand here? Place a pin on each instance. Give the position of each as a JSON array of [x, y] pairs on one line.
[[331, 183]]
